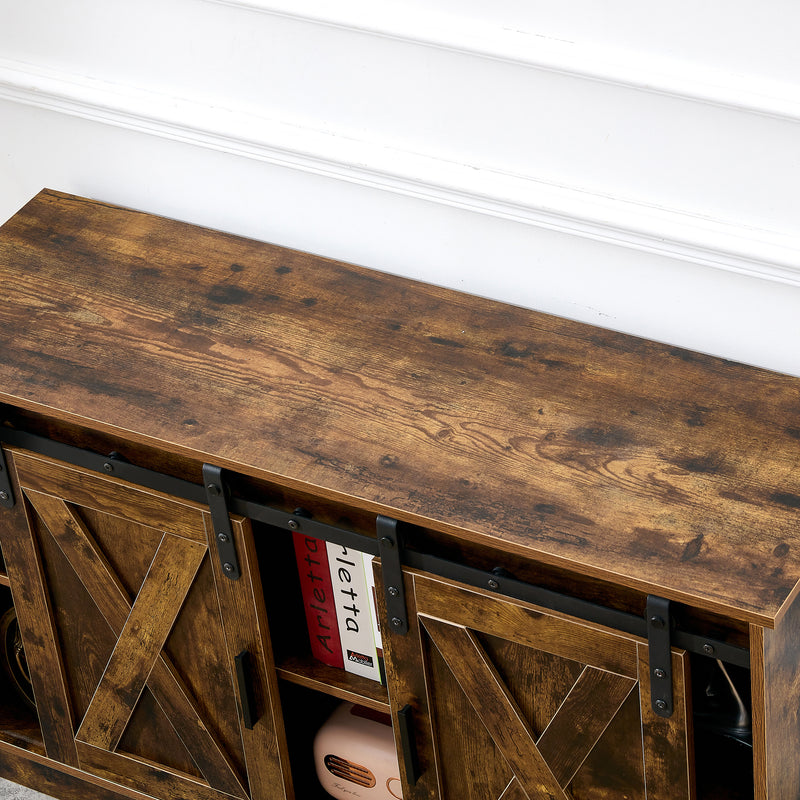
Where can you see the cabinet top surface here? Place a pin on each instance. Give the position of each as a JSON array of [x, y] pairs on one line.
[[639, 463]]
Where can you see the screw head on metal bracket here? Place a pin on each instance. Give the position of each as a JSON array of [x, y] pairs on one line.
[[708, 649], [492, 584], [228, 567], [222, 537], [293, 524], [659, 673], [387, 541], [393, 591], [397, 622], [657, 622], [108, 466], [4, 496], [213, 489], [661, 705]]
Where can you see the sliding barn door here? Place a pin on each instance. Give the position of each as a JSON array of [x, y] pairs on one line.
[[132, 635], [526, 704]]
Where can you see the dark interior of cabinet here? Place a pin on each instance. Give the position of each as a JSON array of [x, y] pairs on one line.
[[19, 724], [304, 712], [282, 595], [723, 752]]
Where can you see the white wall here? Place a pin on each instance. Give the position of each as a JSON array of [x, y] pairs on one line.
[[630, 164]]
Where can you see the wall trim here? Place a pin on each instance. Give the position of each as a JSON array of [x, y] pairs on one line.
[[666, 232], [643, 72]]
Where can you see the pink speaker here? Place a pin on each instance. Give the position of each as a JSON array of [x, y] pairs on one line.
[[355, 755]]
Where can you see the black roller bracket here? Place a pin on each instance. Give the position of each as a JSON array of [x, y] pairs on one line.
[[659, 626], [220, 518], [390, 550], [6, 492]]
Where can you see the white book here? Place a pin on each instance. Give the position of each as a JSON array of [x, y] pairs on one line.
[[373, 607], [353, 611]]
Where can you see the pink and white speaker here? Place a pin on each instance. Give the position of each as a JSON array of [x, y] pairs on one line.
[[355, 756]]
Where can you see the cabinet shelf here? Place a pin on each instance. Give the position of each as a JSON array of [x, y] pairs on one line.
[[19, 725], [334, 682]]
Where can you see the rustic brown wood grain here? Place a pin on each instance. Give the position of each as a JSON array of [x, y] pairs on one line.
[[513, 791], [614, 769], [95, 492], [468, 763], [142, 775], [649, 466], [334, 681], [538, 681], [57, 780], [582, 719], [140, 641], [84, 556]]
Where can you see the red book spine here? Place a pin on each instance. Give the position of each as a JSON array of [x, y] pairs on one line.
[[318, 600]]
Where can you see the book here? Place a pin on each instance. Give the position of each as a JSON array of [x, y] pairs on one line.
[[318, 599], [353, 611]]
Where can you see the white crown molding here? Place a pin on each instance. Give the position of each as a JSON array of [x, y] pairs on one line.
[[666, 232], [641, 71]]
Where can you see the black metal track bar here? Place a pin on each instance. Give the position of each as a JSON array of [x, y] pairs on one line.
[[500, 582], [497, 581], [298, 522], [112, 464], [118, 467]]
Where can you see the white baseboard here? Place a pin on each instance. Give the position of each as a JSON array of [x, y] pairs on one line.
[[667, 232]]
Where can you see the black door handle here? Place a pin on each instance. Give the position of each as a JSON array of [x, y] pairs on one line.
[[408, 745], [243, 678]]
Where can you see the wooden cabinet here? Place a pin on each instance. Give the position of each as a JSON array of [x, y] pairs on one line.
[[588, 553]]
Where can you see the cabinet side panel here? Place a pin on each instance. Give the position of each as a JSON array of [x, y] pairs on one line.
[[775, 678]]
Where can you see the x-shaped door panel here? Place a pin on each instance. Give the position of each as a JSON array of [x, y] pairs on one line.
[[141, 629], [558, 709], [543, 766]]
